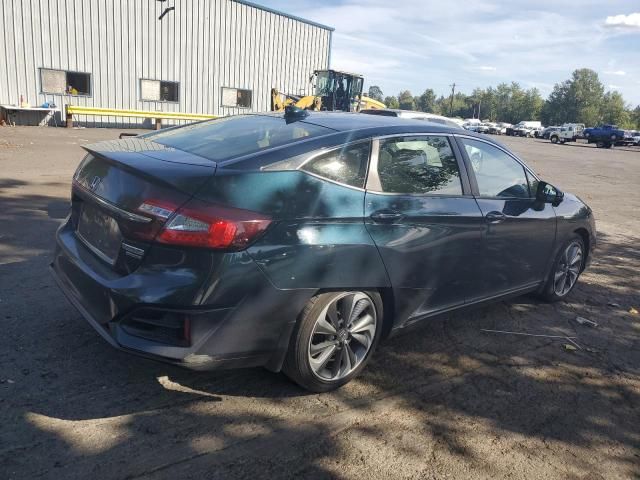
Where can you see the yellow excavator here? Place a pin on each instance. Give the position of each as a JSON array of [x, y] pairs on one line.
[[334, 91]]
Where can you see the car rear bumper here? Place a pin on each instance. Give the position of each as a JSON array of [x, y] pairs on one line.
[[182, 316]]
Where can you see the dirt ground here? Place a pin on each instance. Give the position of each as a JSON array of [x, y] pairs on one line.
[[447, 401]]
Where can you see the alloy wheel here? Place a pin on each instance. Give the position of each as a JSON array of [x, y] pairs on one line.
[[568, 269], [342, 336]]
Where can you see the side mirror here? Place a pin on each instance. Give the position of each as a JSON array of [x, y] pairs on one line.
[[547, 193]]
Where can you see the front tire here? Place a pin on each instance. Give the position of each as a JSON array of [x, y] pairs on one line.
[[566, 270], [554, 139], [335, 336]]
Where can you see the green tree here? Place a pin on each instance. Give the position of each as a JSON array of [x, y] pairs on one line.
[[614, 111], [579, 99], [391, 102], [427, 101], [635, 117], [375, 92], [554, 111], [586, 96], [406, 101]]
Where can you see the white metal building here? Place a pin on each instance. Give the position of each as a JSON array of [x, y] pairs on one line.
[[216, 57]]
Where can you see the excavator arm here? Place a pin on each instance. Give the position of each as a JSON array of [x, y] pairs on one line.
[[281, 100]]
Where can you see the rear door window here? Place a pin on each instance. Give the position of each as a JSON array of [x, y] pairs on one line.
[[423, 164], [231, 137], [347, 164]]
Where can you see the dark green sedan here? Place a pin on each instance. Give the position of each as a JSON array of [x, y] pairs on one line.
[[297, 241]]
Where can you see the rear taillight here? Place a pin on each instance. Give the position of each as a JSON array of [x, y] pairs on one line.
[[200, 224]]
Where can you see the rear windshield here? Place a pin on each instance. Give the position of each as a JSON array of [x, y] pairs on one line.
[[231, 137]]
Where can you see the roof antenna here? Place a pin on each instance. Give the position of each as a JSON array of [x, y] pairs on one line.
[[294, 114]]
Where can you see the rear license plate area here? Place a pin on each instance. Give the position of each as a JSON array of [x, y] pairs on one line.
[[99, 232]]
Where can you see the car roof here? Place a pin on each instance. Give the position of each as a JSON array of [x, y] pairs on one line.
[[347, 122], [346, 128]]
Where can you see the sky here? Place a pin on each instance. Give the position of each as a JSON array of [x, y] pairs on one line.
[[414, 44]]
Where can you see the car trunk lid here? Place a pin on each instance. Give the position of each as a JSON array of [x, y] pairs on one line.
[[113, 187]]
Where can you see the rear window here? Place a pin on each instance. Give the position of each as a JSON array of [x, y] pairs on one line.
[[231, 137]]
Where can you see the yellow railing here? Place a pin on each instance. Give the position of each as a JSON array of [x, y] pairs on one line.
[[115, 112]]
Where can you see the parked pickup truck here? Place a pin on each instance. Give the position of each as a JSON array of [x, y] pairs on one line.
[[604, 135], [569, 132]]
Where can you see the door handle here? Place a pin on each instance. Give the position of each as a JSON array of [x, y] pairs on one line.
[[495, 217], [386, 216]]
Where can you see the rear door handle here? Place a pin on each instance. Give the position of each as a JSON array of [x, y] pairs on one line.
[[386, 216], [495, 217]]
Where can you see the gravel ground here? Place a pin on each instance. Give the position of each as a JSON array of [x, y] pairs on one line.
[[447, 401]]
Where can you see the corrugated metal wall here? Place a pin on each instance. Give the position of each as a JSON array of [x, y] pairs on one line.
[[203, 44]]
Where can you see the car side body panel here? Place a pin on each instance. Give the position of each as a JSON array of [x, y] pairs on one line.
[[318, 239]]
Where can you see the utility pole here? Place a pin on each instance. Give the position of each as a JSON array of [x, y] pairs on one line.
[[453, 91]]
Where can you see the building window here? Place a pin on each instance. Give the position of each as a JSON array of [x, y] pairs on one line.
[[61, 82], [159, 91], [236, 97]]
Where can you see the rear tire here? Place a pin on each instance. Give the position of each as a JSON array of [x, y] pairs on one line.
[[335, 336], [554, 139], [566, 270]]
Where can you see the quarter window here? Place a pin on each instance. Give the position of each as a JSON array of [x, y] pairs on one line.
[[61, 82], [345, 165], [497, 174], [423, 164]]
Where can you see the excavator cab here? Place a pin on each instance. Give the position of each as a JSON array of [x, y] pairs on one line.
[[333, 91], [338, 91]]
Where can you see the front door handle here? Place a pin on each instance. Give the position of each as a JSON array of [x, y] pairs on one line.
[[495, 217], [386, 216]]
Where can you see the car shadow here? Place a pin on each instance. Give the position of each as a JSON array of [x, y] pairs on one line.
[[80, 408]]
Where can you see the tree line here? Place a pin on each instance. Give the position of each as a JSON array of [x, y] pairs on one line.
[[579, 99]]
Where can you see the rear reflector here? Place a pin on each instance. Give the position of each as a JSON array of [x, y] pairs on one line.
[[200, 224]]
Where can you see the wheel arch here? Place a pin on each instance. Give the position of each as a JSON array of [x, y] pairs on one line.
[[584, 235], [388, 304], [276, 361]]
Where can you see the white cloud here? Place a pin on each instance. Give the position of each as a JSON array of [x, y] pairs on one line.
[[626, 21], [415, 44], [614, 87]]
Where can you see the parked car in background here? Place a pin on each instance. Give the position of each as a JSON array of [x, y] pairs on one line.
[[604, 135], [498, 128], [569, 132], [483, 128], [504, 127], [525, 128], [410, 114], [524, 131], [546, 132], [298, 241]]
